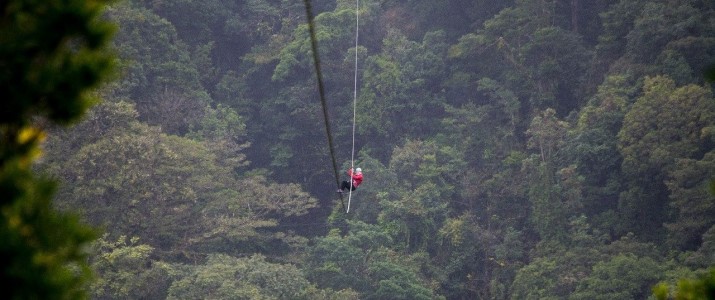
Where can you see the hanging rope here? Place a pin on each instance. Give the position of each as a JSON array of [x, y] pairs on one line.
[[321, 91], [352, 152]]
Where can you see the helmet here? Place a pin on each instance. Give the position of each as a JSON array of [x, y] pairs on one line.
[[358, 170]]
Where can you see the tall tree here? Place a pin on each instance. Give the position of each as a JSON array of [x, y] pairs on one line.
[[159, 74], [124, 269], [401, 94], [173, 192], [593, 147], [226, 277], [622, 277], [665, 124]]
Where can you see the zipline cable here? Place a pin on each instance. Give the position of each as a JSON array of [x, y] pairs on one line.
[[321, 91], [352, 152]]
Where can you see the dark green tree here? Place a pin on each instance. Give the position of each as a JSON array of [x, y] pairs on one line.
[[690, 198], [665, 124], [159, 73], [592, 147], [52, 54], [622, 277]]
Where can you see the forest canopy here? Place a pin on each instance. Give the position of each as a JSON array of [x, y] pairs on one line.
[[511, 149]]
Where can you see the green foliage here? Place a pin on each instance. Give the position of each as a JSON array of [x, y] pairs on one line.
[[70, 39], [226, 277], [430, 173], [537, 57], [125, 270], [394, 282], [339, 262], [652, 137], [362, 262], [551, 203], [52, 53], [652, 31], [512, 149], [159, 74], [702, 287], [592, 144], [622, 277], [196, 20], [401, 89], [665, 124], [618, 20], [690, 197], [536, 281], [42, 249], [205, 201], [547, 135], [703, 258]]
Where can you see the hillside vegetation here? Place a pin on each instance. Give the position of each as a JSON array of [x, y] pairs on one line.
[[511, 150]]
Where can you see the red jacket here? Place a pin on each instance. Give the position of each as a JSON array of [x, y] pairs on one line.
[[357, 178]]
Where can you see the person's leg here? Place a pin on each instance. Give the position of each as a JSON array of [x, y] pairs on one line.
[[345, 185]]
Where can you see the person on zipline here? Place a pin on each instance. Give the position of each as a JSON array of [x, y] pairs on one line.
[[356, 178]]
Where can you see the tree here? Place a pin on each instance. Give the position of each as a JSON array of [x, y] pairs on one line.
[[592, 146], [159, 74], [466, 255], [549, 194], [702, 258], [617, 21], [417, 208], [665, 124], [650, 37], [702, 287], [396, 282], [547, 134], [621, 277], [537, 280], [172, 192], [340, 262], [124, 269], [555, 59], [226, 277], [690, 198], [52, 53], [362, 261], [653, 137], [401, 94], [541, 62]]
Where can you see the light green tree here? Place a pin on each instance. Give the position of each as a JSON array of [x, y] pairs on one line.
[[702, 287], [417, 208], [124, 269], [550, 189], [538, 280], [173, 192], [621, 277], [226, 277]]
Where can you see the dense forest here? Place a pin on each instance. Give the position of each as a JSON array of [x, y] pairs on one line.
[[523, 149]]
